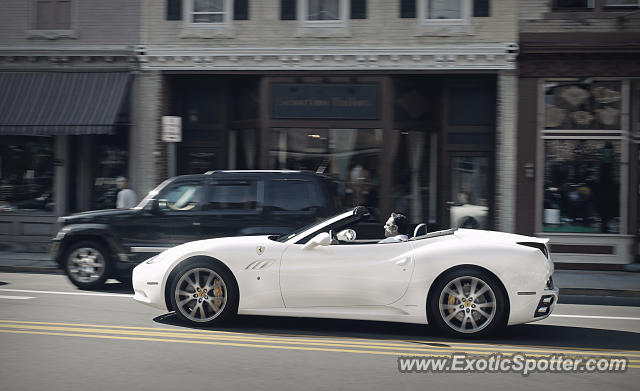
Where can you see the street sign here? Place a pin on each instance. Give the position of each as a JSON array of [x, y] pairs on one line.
[[171, 129]]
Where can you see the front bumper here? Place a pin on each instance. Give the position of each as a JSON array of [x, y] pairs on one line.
[[147, 285], [54, 249]]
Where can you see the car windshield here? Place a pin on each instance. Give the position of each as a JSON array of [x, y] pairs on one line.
[[283, 238], [152, 194]]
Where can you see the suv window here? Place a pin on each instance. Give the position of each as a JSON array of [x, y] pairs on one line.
[[185, 196], [293, 195], [233, 195]]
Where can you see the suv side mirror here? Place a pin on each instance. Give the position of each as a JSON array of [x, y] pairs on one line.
[[157, 205], [321, 239]]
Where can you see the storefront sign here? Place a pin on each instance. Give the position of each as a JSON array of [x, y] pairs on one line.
[[325, 101], [171, 129]]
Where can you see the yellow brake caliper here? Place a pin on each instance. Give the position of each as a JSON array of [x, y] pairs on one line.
[[217, 292], [452, 300]]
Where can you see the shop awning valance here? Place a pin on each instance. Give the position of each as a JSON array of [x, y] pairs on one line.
[[60, 103]]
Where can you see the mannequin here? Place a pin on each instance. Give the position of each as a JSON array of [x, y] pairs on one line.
[[395, 228]]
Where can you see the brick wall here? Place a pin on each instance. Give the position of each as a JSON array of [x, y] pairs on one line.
[[383, 26], [97, 22], [143, 140], [506, 165], [536, 16]]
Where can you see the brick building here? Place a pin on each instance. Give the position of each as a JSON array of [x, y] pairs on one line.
[[408, 104], [578, 128], [66, 113]]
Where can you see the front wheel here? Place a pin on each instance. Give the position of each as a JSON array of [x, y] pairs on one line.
[[467, 303], [87, 265], [204, 293]]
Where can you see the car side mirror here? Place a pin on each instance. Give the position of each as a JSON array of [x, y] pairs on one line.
[[321, 239], [157, 205], [347, 235]]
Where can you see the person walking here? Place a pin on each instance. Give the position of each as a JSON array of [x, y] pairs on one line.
[[127, 198]]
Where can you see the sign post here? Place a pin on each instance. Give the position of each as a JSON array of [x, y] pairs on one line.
[[172, 134]]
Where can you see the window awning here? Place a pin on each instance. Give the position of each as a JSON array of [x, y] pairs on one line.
[[60, 103]]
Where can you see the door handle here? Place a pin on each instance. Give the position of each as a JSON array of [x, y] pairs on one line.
[[195, 223], [402, 262]]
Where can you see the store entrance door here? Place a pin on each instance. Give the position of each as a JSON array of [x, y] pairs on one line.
[[469, 202]]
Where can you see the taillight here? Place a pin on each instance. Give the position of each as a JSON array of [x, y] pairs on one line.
[[540, 246]]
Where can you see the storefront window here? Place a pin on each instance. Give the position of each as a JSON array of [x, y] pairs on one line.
[[582, 186], [350, 156], [111, 162], [470, 190], [26, 174], [583, 104], [413, 191]]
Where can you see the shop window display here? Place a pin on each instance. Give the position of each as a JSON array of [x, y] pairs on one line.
[[582, 186], [26, 174], [350, 156]]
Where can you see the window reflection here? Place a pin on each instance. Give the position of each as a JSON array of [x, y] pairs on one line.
[[350, 156], [469, 192], [413, 190], [26, 174], [582, 186]]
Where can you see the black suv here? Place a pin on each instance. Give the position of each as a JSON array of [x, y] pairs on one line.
[[94, 246]]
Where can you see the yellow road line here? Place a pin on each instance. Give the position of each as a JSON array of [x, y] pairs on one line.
[[281, 341], [303, 348], [355, 341]]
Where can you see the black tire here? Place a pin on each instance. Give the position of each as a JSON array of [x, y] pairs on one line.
[[207, 315], [75, 263], [459, 311]]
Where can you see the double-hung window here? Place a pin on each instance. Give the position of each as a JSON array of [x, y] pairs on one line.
[[445, 16], [52, 19], [208, 12]]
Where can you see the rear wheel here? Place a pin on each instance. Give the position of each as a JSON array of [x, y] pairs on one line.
[[467, 303], [204, 293], [87, 264]]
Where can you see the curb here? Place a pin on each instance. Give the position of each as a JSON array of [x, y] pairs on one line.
[[31, 269], [598, 292]]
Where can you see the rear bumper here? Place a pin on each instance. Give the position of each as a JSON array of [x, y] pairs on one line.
[[531, 308]]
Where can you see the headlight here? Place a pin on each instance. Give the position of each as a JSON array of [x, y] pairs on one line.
[[152, 260]]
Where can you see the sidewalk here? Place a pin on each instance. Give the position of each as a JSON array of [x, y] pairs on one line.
[[570, 282], [28, 263]]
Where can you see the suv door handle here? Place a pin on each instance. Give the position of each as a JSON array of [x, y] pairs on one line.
[[195, 223]]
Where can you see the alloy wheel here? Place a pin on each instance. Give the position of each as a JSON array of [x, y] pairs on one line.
[[200, 295]]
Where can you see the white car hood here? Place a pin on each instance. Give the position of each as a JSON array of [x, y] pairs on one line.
[[200, 246]]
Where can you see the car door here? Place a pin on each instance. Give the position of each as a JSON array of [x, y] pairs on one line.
[[345, 274], [175, 221], [233, 207]]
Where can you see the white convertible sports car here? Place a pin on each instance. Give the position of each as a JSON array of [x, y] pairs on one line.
[[466, 282]]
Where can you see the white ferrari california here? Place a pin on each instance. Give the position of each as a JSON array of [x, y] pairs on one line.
[[465, 282]]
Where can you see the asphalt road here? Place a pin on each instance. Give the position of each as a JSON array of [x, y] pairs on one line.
[[55, 337]]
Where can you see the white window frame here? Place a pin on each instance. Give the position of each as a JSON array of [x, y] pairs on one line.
[[207, 30], [323, 28], [35, 32], [461, 26]]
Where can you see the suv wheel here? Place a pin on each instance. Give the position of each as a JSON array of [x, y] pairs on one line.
[[87, 264]]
